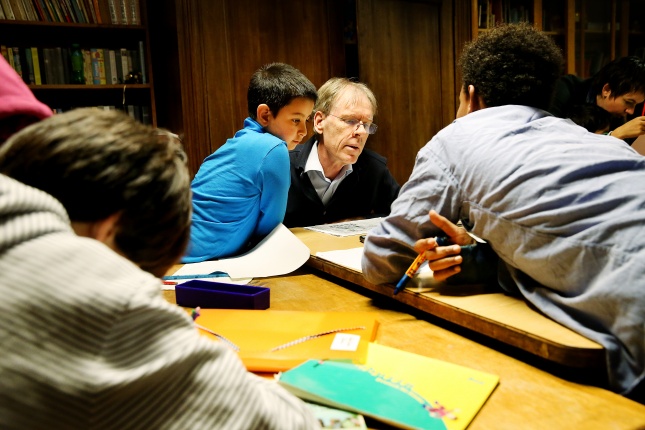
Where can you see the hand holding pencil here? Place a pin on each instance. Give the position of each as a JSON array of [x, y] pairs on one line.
[[443, 257]]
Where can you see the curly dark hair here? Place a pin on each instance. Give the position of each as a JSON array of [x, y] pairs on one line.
[[512, 64]]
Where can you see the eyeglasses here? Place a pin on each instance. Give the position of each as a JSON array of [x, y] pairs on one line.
[[369, 127]]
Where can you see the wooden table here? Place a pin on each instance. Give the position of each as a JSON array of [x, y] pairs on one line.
[[527, 397], [491, 313]]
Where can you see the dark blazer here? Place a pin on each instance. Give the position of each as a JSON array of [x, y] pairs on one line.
[[367, 192]]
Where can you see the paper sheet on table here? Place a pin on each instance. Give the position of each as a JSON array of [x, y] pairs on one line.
[[347, 228], [350, 258], [279, 253], [220, 279]]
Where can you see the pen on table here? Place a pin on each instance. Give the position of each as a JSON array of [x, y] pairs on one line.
[[169, 283], [197, 276], [414, 267]]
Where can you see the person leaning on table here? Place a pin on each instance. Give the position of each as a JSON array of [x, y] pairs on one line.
[[563, 209]]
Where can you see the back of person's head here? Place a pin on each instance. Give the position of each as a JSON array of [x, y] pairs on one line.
[[331, 90], [276, 85], [512, 64], [590, 116], [98, 163], [623, 75]]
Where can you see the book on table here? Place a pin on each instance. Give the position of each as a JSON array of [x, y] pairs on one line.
[[274, 341], [399, 388]]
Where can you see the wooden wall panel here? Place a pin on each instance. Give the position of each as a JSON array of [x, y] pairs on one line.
[[204, 52], [406, 57], [221, 43]]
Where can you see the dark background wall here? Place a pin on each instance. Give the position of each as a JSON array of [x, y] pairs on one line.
[[204, 52]]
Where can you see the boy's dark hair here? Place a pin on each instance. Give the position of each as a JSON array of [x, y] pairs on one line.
[[590, 116], [98, 163], [512, 64], [624, 75], [275, 85]]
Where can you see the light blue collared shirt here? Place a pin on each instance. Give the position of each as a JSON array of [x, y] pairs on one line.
[[325, 187]]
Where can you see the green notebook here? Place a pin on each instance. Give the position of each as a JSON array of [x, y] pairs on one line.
[[348, 386], [397, 387]]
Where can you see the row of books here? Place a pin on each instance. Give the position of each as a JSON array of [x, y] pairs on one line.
[[120, 12], [491, 12], [53, 66], [140, 113]]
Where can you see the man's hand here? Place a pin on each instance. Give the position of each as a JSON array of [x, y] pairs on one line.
[[444, 261]]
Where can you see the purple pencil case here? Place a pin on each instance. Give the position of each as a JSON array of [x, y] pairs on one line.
[[216, 295]]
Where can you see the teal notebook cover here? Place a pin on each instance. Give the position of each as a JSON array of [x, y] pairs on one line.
[[356, 388]]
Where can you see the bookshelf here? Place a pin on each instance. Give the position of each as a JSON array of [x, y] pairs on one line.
[[590, 32], [51, 40]]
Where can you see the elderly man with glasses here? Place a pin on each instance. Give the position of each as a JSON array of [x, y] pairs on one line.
[[333, 176]]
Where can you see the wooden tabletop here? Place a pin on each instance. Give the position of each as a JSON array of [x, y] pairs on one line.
[[491, 313], [527, 397]]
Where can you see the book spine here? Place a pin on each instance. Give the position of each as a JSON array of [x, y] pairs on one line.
[[87, 67], [59, 65], [3, 51], [68, 14], [123, 8], [7, 10], [98, 67], [67, 65], [17, 10], [47, 64], [119, 68], [10, 58], [135, 12], [78, 11], [124, 64], [89, 6], [36, 60], [56, 11], [113, 68], [16, 61], [41, 14], [114, 15], [50, 11], [97, 11], [29, 62], [108, 66], [142, 63], [31, 10]]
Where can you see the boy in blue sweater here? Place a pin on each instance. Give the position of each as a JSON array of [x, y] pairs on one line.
[[240, 191]]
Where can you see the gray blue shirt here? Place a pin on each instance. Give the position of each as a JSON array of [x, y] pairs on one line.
[[563, 208]]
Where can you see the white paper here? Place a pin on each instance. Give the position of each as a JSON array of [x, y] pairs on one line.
[[345, 342], [223, 280], [350, 258], [347, 228], [279, 253]]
